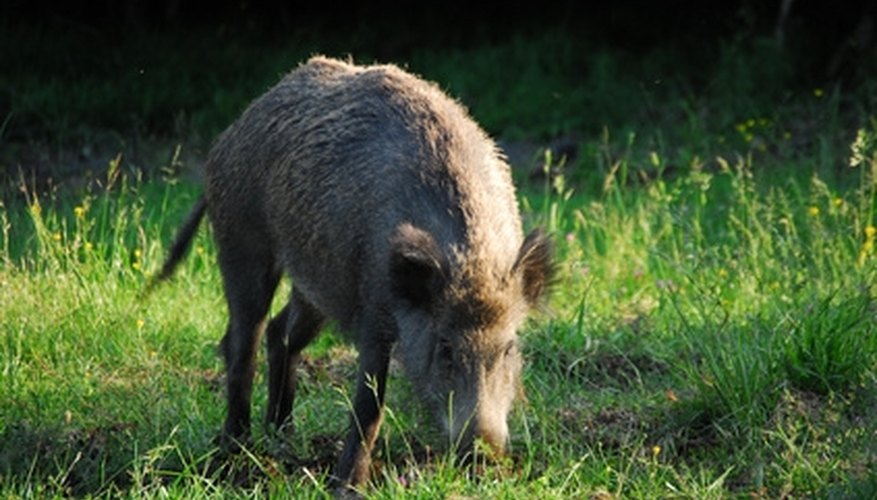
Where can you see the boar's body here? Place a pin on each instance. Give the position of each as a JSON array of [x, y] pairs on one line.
[[320, 171], [394, 215]]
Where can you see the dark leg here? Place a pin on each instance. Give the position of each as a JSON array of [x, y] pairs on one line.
[[249, 282], [353, 465], [288, 333]]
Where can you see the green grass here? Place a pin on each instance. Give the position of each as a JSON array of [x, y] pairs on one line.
[[712, 333], [709, 337]]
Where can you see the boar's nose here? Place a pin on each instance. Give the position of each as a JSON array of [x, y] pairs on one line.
[[492, 430]]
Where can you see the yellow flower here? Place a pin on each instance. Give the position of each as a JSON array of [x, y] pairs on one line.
[[870, 231], [813, 211], [56, 236], [868, 246], [656, 450], [79, 212], [140, 323], [135, 266], [838, 201], [723, 273], [138, 253], [88, 246]]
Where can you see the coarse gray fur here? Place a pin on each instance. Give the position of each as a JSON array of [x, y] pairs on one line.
[[395, 215]]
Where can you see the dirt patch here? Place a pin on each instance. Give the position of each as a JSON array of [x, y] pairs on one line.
[[609, 428], [212, 379], [77, 459], [84, 164], [616, 369], [529, 157], [336, 368]]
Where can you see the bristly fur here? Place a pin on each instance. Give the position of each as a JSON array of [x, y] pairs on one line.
[[537, 264], [395, 215]]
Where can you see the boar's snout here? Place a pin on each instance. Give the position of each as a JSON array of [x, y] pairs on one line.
[[480, 412], [492, 430], [488, 427]]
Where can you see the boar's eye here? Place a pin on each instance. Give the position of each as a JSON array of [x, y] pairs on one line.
[[445, 354], [445, 350]]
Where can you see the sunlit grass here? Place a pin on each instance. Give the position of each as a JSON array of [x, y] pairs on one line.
[[711, 335]]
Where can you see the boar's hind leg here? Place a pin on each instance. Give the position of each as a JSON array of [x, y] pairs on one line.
[[288, 333], [374, 358], [250, 281]]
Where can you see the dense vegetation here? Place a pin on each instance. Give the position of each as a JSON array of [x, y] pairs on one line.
[[713, 331]]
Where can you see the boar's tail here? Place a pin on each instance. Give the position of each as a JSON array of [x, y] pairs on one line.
[[182, 242]]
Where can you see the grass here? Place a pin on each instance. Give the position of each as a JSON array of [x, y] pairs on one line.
[[712, 333]]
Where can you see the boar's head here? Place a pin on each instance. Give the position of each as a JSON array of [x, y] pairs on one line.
[[457, 329]]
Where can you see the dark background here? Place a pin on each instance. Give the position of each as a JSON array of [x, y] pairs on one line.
[[83, 80], [817, 31]]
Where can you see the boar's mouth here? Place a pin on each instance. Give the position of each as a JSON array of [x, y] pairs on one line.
[[464, 428]]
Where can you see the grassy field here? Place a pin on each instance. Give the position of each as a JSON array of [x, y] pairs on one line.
[[713, 332]]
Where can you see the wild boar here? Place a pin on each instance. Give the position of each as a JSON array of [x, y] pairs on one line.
[[395, 215]]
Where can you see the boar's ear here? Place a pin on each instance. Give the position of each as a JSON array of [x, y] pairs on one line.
[[415, 265], [535, 266]]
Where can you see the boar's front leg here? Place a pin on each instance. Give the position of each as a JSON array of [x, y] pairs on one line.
[[371, 379], [288, 333]]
